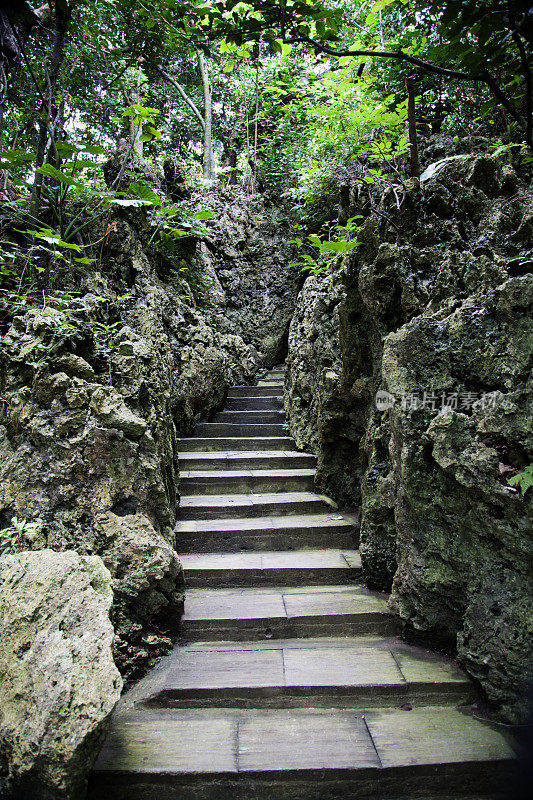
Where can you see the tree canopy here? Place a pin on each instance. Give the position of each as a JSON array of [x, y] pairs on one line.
[[263, 94]]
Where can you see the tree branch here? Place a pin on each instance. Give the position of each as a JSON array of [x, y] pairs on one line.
[[183, 94], [399, 55]]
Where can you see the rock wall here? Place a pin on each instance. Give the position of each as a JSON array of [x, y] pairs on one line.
[[59, 682], [94, 396], [433, 310], [248, 252]]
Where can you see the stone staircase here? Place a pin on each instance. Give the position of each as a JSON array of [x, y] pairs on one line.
[[290, 680]]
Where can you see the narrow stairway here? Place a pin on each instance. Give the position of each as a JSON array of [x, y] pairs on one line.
[[290, 681]]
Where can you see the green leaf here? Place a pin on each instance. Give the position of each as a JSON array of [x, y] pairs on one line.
[[338, 247], [15, 158], [523, 479], [145, 193], [94, 149], [204, 214], [51, 172], [65, 149], [380, 5], [127, 203]]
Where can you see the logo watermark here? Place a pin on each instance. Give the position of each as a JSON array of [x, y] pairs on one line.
[[457, 401], [384, 400]]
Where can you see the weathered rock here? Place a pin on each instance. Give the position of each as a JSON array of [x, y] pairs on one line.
[[95, 398], [443, 309], [319, 398], [147, 584], [247, 249], [59, 682], [454, 509], [112, 412]]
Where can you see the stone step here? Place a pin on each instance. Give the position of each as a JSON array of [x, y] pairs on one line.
[[204, 444], [247, 417], [250, 460], [268, 568], [274, 403], [301, 754], [252, 505], [229, 429], [195, 482], [283, 613], [353, 673], [267, 533], [275, 390]]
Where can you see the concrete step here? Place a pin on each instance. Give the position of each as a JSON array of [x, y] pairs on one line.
[[252, 505], [301, 754], [274, 403], [270, 568], [284, 643], [308, 611], [250, 460], [267, 533], [246, 417], [206, 444], [229, 429], [194, 482], [360, 672], [274, 390]]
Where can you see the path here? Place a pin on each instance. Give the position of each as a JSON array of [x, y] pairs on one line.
[[290, 681]]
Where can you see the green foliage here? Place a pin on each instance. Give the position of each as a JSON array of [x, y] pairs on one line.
[[326, 248], [12, 538], [172, 223], [523, 479]]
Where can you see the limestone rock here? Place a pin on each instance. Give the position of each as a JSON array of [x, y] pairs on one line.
[[111, 410], [319, 399], [147, 581], [440, 319], [95, 397], [59, 682], [248, 252]]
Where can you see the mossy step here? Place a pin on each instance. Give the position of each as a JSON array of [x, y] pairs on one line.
[[196, 482], [270, 568], [253, 460], [273, 403], [222, 506], [237, 614], [270, 390], [207, 444], [360, 672], [298, 754], [332, 529], [230, 429], [245, 417]]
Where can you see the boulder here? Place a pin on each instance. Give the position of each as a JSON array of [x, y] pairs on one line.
[[147, 585], [59, 681]]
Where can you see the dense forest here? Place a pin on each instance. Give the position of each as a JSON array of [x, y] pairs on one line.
[[268, 96], [266, 324]]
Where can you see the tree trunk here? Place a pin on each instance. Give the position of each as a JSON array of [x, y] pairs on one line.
[[63, 15], [208, 159], [136, 130], [411, 116]]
